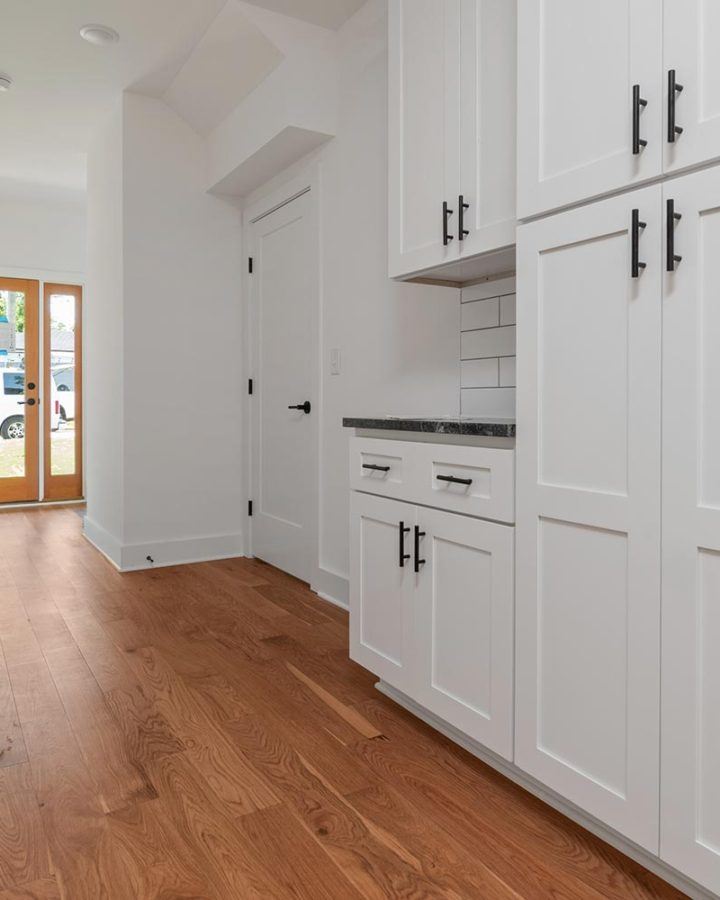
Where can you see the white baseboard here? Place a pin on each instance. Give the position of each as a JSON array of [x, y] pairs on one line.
[[332, 587], [639, 854], [134, 557], [102, 540]]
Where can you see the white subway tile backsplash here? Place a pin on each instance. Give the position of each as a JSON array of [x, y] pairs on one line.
[[487, 349], [480, 314], [488, 289], [488, 342], [479, 373], [507, 310], [507, 371], [488, 402]]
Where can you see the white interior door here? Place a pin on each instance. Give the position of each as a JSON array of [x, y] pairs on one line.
[[488, 124], [381, 588], [691, 36], [424, 131], [690, 831], [588, 510], [464, 608], [578, 63], [284, 292]]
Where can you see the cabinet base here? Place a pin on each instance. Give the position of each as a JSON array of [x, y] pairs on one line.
[[640, 855]]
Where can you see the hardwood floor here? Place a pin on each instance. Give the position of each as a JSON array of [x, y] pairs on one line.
[[199, 732]]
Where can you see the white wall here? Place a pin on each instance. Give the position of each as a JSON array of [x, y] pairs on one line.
[[400, 344], [182, 334], [41, 236], [166, 322], [103, 339]]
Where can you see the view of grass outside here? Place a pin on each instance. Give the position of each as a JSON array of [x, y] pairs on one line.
[[12, 453]]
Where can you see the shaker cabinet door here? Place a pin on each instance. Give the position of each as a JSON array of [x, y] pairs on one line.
[[691, 38], [588, 509], [578, 64], [690, 784], [381, 623], [424, 129], [465, 616]]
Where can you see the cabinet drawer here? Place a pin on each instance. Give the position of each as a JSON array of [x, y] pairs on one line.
[[381, 467], [476, 481]]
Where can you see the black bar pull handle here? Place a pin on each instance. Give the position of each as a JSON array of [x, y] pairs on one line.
[[638, 103], [447, 212], [402, 531], [451, 479], [673, 90], [376, 468], [636, 265], [418, 562], [462, 206], [670, 220]]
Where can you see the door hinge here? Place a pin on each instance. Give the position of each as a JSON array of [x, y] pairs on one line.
[[250, 507], [250, 385], [250, 264]]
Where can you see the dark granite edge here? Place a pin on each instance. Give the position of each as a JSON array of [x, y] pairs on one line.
[[478, 428]]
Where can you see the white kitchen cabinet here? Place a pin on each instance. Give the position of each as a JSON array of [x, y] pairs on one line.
[[424, 127], [578, 65], [452, 111], [432, 607], [691, 37], [464, 610], [588, 510], [690, 813], [382, 615]]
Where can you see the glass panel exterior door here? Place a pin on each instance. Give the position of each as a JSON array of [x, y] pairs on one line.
[[63, 392], [19, 395]]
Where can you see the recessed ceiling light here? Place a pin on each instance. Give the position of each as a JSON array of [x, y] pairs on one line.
[[5, 82], [99, 34]]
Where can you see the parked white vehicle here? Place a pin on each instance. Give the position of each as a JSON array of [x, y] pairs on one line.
[[12, 405], [64, 379]]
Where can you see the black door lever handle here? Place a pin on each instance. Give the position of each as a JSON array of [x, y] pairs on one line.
[[305, 407]]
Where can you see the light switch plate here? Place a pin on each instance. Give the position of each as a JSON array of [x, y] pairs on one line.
[[335, 362]]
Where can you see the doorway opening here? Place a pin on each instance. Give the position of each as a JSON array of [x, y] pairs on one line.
[[40, 391]]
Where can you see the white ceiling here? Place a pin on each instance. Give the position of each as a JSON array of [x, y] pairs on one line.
[[202, 56], [328, 13]]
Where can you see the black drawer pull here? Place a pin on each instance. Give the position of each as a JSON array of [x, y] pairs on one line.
[[451, 479], [635, 264], [402, 530], [447, 212], [638, 102], [673, 90], [672, 218], [462, 206], [376, 468], [418, 562]]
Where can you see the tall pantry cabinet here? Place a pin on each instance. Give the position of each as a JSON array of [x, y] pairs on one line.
[[618, 452]]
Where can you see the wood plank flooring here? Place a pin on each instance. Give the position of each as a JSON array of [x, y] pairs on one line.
[[199, 732]]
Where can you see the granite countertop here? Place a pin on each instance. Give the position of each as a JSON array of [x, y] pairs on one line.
[[484, 427]]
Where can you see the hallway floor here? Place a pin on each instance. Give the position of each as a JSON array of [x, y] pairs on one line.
[[199, 732]]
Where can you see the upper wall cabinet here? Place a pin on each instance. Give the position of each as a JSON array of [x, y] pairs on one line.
[[589, 99], [692, 82], [451, 131]]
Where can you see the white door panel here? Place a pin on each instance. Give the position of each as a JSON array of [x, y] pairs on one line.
[[424, 127], [381, 610], [578, 63], [283, 300], [690, 832], [488, 124], [465, 625], [588, 510], [691, 37]]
